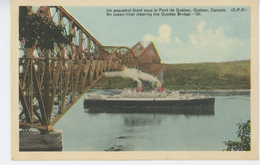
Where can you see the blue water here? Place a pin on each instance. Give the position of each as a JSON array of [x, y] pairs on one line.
[[84, 131]]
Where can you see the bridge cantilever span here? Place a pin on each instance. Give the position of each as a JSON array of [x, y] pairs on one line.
[[124, 53], [52, 81]]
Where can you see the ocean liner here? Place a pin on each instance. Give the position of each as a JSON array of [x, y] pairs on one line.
[[148, 101]]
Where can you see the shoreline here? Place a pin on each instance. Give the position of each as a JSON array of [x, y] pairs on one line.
[[184, 90]]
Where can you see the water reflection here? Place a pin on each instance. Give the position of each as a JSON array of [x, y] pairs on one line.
[[131, 120]]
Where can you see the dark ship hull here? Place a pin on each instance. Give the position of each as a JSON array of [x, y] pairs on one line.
[[205, 105]]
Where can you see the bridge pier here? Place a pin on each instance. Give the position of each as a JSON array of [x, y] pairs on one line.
[[40, 141]]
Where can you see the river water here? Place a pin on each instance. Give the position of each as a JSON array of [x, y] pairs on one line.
[[83, 131]]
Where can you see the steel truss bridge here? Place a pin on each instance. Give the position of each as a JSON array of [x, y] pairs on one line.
[[52, 81]]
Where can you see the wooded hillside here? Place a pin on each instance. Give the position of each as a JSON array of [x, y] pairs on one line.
[[228, 75], [199, 76]]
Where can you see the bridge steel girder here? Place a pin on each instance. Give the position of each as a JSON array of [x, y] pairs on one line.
[[125, 54], [54, 88], [52, 81]]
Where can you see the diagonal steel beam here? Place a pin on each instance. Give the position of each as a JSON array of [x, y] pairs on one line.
[[39, 97], [25, 73], [57, 74], [73, 103], [24, 104]]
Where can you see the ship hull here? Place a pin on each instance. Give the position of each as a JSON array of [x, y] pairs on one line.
[[151, 106]]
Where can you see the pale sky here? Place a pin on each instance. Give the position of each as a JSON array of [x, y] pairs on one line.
[[211, 37]]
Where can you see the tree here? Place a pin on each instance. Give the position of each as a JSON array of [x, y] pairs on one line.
[[244, 135], [40, 31]]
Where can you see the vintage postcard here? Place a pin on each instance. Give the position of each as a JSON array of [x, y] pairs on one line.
[[150, 80]]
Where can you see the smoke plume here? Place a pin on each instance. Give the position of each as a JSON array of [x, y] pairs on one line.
[[134, 74]]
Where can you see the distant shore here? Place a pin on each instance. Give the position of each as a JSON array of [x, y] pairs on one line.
[[198, 76]]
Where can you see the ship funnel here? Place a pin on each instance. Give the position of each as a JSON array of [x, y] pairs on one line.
[[159, 86], [140, 87], [161, 78]]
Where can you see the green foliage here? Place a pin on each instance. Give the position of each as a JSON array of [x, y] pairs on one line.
[[200, 76], [40, 31], [207, 76], [244, 135]]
